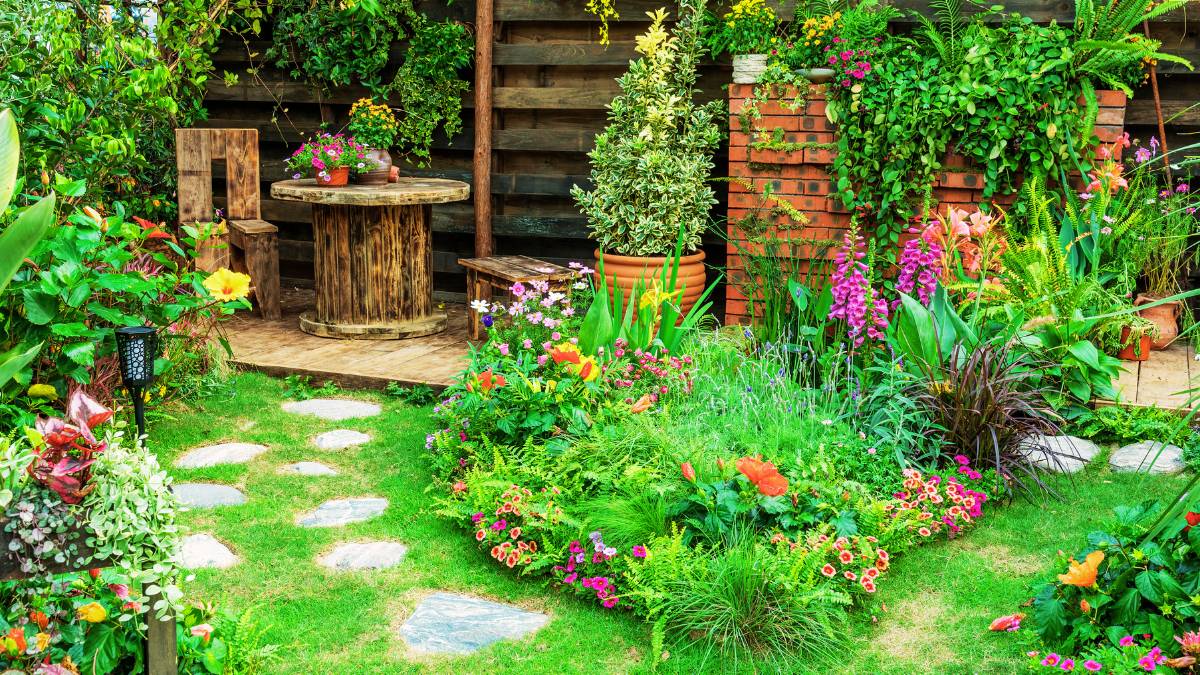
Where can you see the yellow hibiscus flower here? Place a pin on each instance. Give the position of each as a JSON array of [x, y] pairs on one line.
[[226, 285], [92, 612]]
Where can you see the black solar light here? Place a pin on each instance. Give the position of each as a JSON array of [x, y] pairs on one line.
[[137, 347]]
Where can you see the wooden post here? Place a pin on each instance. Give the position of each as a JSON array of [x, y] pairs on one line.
[[483, 128]]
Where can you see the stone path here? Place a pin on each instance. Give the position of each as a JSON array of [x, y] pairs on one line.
[[449, 623], [310, 469], [340, 439], [222, 453], [208, 495], [371, 555], [337, 512], [203, 550], [334, 409], [442, 623], [1067, 454], [1145, 456]]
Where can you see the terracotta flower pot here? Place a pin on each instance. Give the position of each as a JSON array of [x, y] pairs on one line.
[[1134, 350], [335, 177], [394, 174], [1165, 317], [382, 171], [625, 271]]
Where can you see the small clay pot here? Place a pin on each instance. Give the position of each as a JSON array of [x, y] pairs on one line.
[[334, 177], [1164, 316], [382, 171], [394, 175], [624, 271], [1134, 350]]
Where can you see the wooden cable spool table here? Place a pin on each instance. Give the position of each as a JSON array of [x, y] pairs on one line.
[[373, 256]]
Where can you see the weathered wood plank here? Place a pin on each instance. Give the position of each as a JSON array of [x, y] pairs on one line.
[[571, 54]]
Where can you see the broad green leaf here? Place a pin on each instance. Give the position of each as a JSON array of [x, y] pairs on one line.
[[12, 362], [10, 154], [20, 237]]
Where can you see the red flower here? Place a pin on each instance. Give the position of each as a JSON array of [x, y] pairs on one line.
[[1006, 622], [39, 619], [763, 475], [18, 637], [688, 472], [94, 572], [1193, 519]]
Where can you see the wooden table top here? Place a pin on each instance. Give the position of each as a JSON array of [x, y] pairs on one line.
[[404, 192]]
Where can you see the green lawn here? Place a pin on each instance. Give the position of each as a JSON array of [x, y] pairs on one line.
[[932, 614]]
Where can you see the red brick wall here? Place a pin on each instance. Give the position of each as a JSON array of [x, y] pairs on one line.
[[800, 177]]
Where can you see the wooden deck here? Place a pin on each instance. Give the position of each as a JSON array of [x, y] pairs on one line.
[[280, 348], [1161, 381]]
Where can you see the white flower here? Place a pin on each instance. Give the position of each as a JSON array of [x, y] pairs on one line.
[[480, 306], [579, 285], [827, 422]]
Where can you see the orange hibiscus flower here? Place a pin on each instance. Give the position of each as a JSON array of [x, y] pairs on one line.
[[1083, 574], [763, 475], [488, 381]]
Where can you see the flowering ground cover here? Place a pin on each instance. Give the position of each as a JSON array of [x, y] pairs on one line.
[[931, 614]]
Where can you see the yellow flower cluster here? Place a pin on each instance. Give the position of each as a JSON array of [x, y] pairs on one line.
[[816, 28], [749, 9], [366, 113]]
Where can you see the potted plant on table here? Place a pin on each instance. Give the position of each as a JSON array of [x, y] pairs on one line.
[[651, 165], [374, 126], [330, 158], [748, 33]]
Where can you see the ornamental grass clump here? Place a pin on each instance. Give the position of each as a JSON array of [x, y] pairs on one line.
[[651, 165], [984, 399]]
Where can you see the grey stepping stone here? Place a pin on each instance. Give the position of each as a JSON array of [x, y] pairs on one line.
[[339, 439], [222, 453], [1144, 456], [1065, 454], [343, 511], [310, 469], [372, 555], [203, 550], [208, 495], [334, 409], [448, 623]]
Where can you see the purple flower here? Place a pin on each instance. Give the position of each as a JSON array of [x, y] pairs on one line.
[[1141, 156], [476, 517], [487, 320], [499, 524], [518, 289]]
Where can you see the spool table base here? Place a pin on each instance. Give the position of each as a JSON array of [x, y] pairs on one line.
[[420, 327]]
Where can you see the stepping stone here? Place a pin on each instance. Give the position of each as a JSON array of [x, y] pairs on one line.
[[203, 550], [208, 495], [339, 439], [334, 409], [1067, 454], [448, 623], [343, 511], [373, 555], [223, 453], [1139, 456], [310, 469]]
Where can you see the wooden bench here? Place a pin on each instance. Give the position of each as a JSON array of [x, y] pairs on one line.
[[487, 275], [251, 245]]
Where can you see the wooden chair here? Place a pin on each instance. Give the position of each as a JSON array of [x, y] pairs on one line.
[[253, 246], [486, 275]]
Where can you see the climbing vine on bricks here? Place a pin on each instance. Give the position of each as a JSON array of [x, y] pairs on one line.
[[1006, 97]]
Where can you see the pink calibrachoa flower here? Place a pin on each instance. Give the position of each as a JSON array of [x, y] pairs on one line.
[[639, 551], [1125, 641], [1092, 665], [1051, 659], [1067, 665]]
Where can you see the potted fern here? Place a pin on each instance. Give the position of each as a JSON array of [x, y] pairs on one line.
[[651, 165]]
